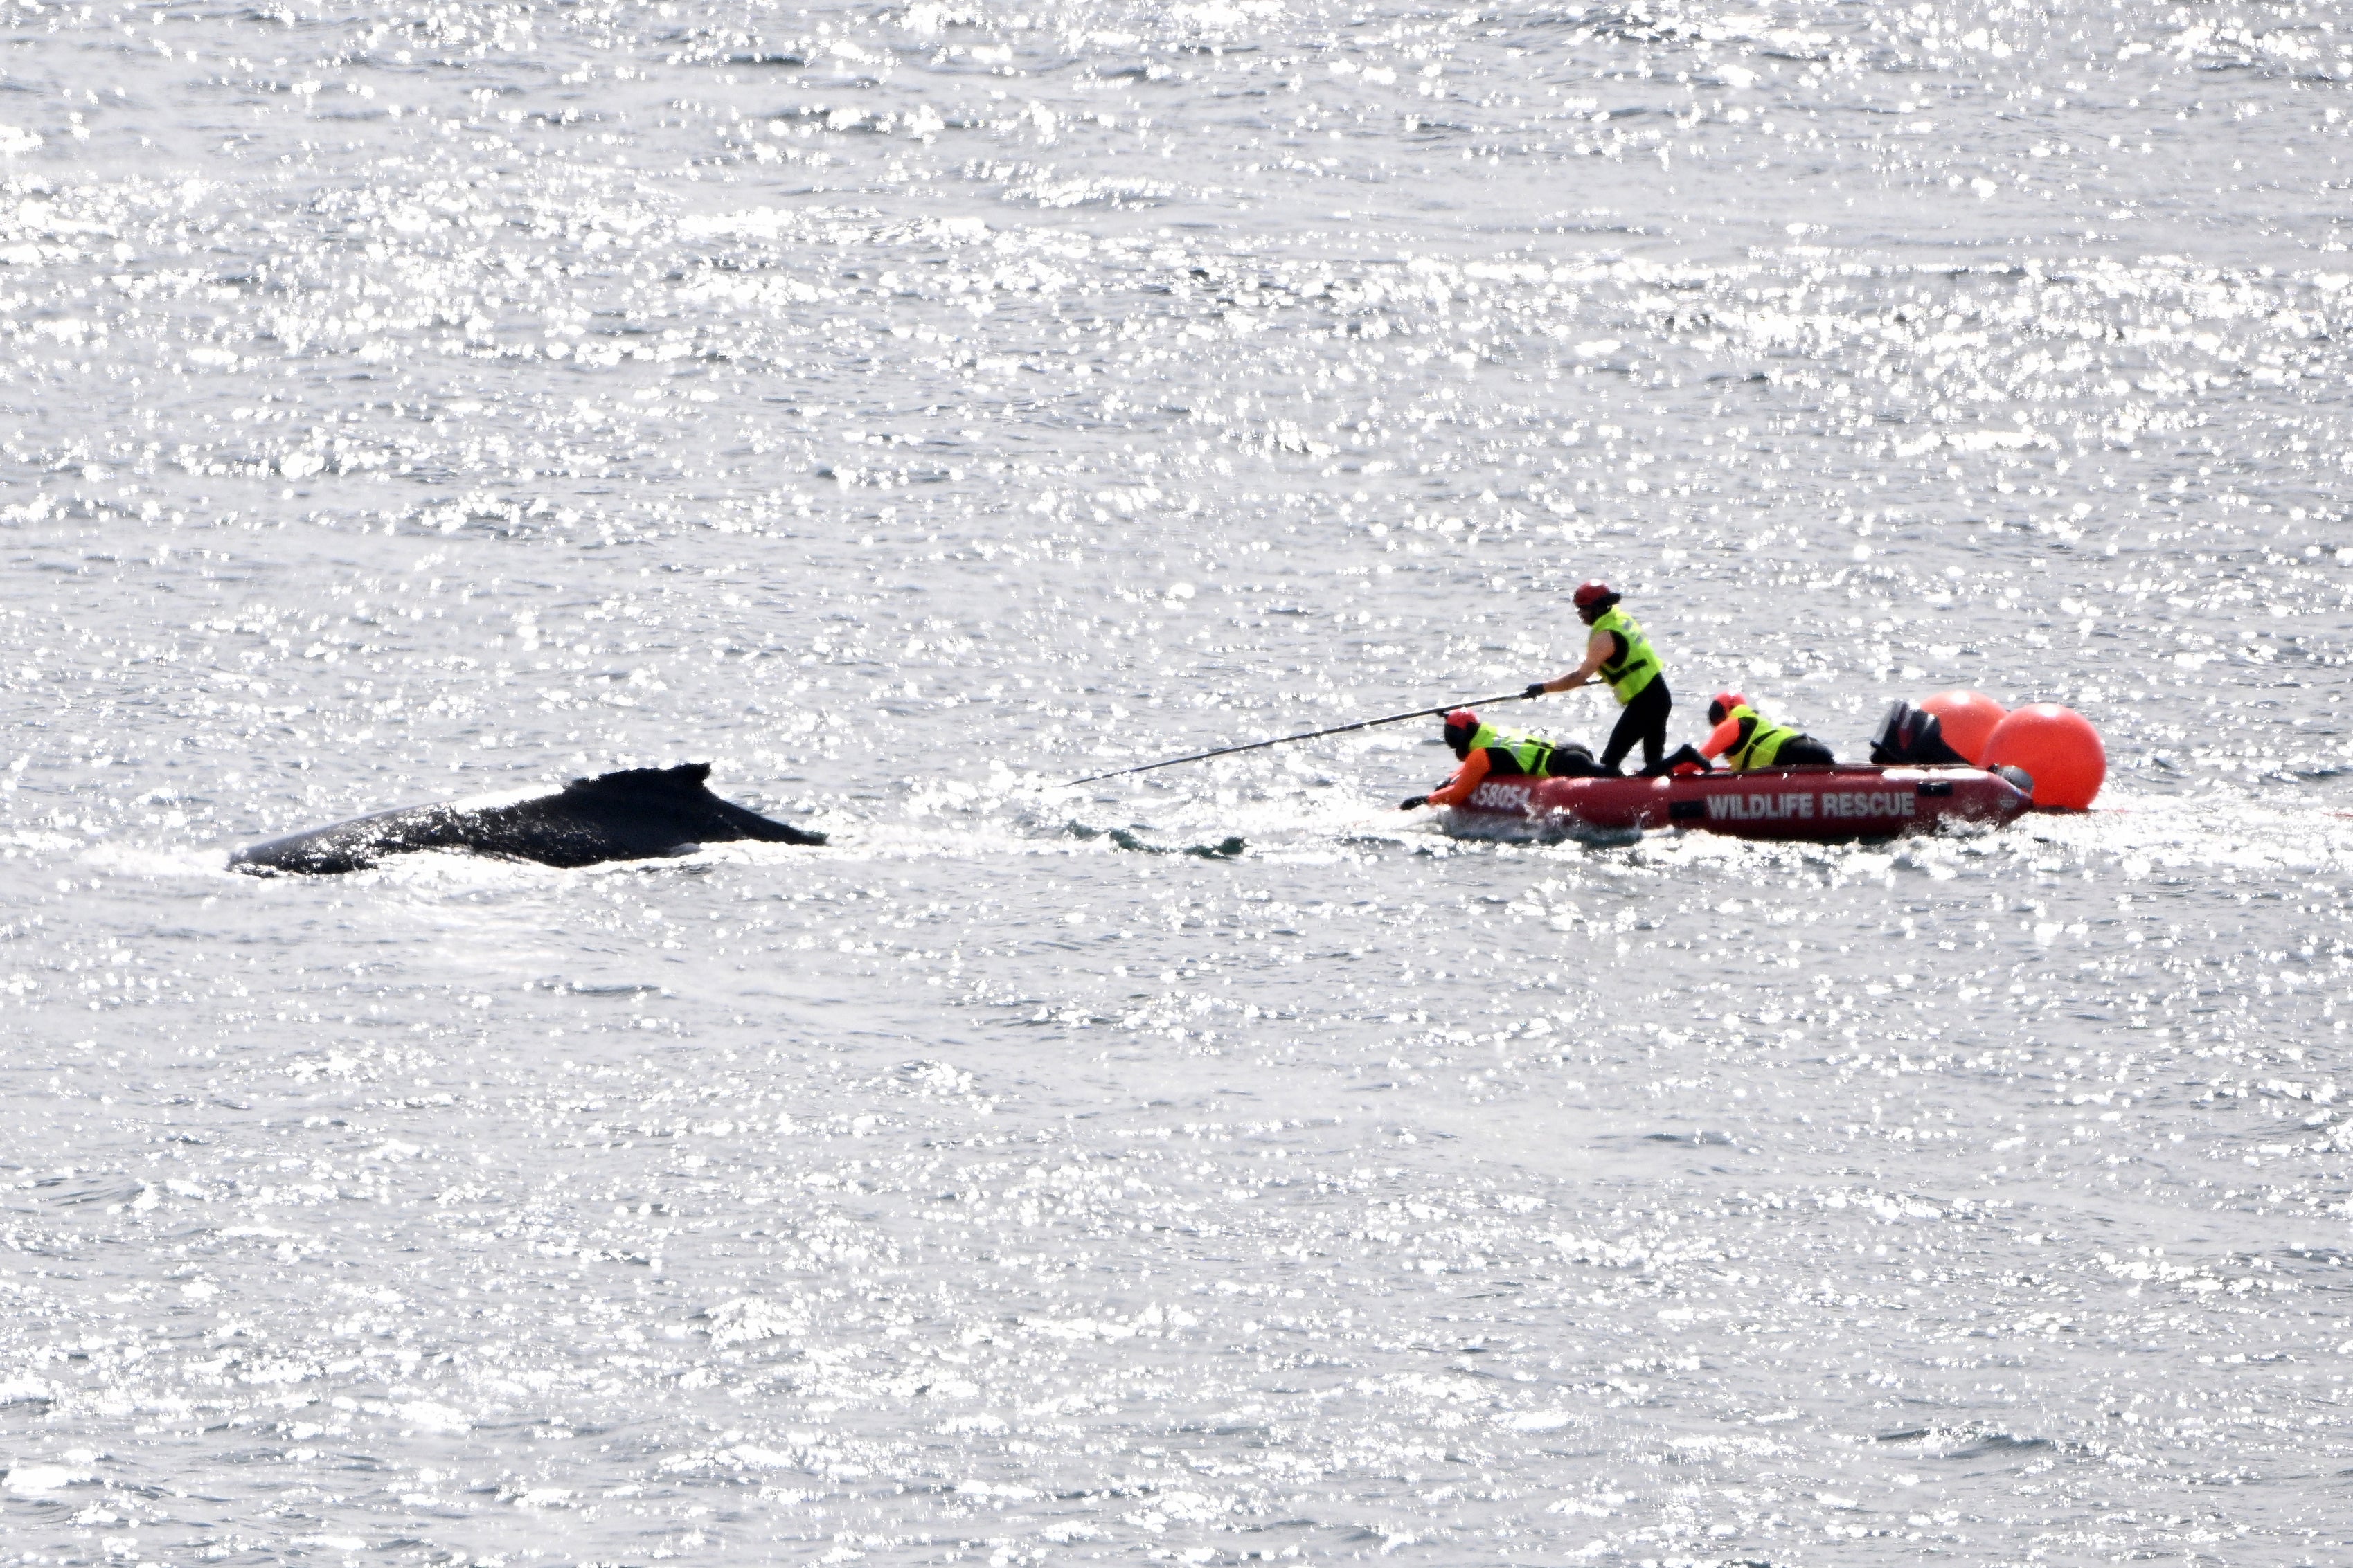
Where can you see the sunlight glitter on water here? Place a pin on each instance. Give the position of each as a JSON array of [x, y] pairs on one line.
[[910, 410]]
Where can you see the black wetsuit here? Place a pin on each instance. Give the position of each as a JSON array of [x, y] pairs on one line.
[[1571, 761], [1644, 719]]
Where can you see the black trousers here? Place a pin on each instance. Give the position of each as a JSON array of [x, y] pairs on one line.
[[1571, 761], [1644, 719], [1802, 750]]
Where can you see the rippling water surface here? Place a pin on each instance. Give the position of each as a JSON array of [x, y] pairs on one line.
[[908, 408]]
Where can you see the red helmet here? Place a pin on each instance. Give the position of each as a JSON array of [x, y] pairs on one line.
[[1460, 725], [1591, 594], [1723, 703]]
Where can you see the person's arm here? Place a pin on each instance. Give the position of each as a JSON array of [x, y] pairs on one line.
[[1468, 777], [1722, 739], [1597, 649]]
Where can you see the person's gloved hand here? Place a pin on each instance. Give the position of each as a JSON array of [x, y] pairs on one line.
[[1535, 689], [1413, 803]]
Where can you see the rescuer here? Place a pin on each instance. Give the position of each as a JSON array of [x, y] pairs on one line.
[[1488, 753], [1745, 739], [1619, 656]]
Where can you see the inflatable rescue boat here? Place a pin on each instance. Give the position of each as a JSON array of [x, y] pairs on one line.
[[1842, 800]]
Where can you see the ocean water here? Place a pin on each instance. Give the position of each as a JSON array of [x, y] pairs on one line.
[[910, 408]]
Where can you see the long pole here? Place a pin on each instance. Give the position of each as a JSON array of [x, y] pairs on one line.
[[1310, 735]]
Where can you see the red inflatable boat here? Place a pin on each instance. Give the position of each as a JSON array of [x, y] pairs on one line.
[[1845, 800]]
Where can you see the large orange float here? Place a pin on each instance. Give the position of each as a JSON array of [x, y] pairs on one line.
[[2056, 746], [1968, 718]]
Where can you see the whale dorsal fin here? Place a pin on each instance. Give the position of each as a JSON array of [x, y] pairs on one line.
[[687, 777]]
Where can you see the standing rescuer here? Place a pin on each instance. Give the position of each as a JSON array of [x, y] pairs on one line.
[[1621, 656]]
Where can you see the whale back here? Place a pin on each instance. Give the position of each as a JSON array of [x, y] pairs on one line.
[[634, 813]]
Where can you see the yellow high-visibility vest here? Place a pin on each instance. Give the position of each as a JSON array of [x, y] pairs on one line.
[[1639, 665]]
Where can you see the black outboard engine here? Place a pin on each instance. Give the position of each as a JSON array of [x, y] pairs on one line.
[[1912, 737]]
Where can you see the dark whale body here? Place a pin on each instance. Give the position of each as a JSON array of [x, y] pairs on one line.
[[635, 815]]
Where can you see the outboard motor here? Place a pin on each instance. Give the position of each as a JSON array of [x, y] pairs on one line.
[[1912, 737]]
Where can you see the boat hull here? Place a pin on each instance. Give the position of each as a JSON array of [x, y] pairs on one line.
[[1818, 803]]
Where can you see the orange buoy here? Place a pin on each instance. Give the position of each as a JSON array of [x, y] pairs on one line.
[[2058, 746], [1968, 718]]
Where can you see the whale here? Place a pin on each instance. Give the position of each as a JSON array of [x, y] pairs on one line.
[[637, 813]]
